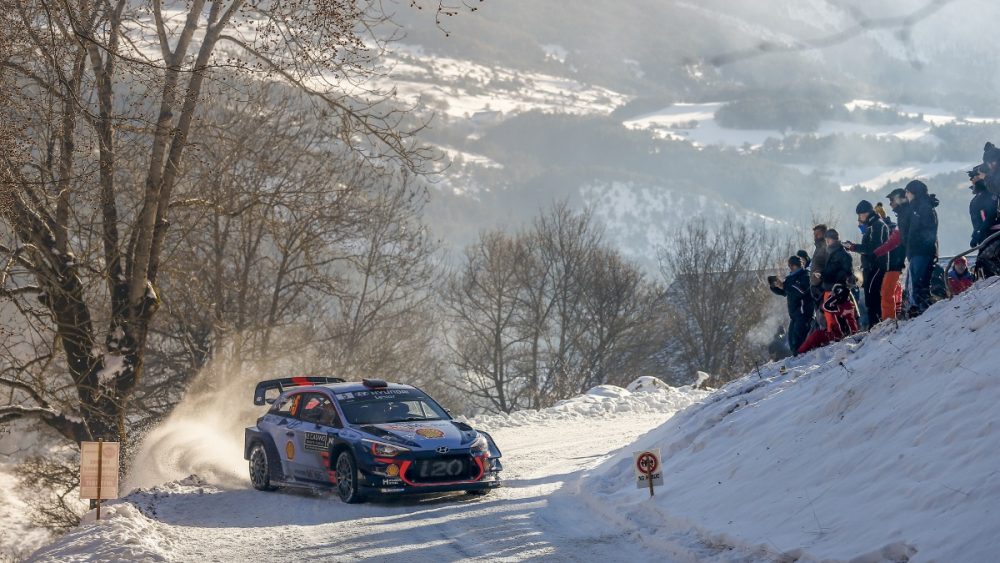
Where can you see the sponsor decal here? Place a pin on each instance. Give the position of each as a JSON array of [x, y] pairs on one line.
[[392, 470], [290, 450], [345, 395], [379, 393], [430, 433], [316, 441]]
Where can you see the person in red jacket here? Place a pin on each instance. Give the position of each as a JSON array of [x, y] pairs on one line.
[[892, 290], [959, 276]]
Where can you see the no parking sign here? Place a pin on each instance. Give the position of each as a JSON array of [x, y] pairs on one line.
[[648, 471]]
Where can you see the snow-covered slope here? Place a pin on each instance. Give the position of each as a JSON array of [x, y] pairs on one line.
[[878, 450]]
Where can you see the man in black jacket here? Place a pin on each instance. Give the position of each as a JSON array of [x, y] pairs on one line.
[[795, 290], [875, 233], [983, 211], [920, 238], [837, 278], [982, 208]]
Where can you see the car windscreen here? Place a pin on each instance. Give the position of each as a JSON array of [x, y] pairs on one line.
[[379, 406]]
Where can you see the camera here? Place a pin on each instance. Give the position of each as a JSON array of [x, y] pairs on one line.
[[771, 280]]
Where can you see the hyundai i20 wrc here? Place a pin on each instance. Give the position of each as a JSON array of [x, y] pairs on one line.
[[364, 439]]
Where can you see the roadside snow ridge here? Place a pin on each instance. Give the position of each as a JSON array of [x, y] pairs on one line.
[[881, 449]]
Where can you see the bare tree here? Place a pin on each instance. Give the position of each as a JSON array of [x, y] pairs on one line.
[[717, 295], [116, 90], [548, 313], [482, 299]]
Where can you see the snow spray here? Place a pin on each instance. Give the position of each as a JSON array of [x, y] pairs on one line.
[[203, 436]]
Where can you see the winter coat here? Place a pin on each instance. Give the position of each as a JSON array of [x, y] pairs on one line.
[[876, 234], [895, 247], [983, 212], [959, 282], [839, 268], [820, 255], [796, 293], [896, 252], [920, 235]]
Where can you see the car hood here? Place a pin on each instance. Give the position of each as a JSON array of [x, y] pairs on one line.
[[429, 434]]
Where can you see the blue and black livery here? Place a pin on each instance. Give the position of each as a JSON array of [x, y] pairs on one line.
[[364, 439]]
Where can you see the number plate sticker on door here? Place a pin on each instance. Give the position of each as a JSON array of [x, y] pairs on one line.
[[316, 442]]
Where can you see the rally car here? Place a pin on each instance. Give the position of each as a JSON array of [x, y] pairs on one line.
[[364, 439]]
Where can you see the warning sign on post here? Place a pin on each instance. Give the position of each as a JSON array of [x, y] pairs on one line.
[[648, 471], [99, 470]]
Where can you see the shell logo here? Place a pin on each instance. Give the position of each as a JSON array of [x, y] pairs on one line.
[[290, 450], [430, 433], [392, 470]]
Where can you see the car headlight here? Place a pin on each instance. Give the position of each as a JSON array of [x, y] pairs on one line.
[[480, 446], [380, 449]]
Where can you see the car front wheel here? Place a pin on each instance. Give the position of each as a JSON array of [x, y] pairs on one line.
[[347, 479], [260, 470]]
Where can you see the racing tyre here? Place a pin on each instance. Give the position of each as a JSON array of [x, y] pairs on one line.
[[347, 479], [260, 468]]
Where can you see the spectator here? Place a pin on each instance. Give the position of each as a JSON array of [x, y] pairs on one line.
[[991, 163], [837, 277], [984, 214], [920, 238], [875, 233], [804, 256], [892, 290], [959, 276], [982, 208], [795, 289], [820, 254]]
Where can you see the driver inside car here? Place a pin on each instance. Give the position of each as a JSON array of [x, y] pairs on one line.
[[396, 412], [328, 414]]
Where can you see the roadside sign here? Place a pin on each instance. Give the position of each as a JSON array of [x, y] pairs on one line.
[[99, 471], [648, 471]]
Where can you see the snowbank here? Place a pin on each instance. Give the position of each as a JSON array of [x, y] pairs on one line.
[[882, 449], [650, 396], [123, 534]]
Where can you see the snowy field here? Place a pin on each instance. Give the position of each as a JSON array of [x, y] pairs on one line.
[[695, 122], [460, 89]]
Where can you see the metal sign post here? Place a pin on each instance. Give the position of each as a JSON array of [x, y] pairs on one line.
[[647, 469], [99, 471]]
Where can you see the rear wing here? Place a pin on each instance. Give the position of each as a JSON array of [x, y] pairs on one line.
[[281, 384]]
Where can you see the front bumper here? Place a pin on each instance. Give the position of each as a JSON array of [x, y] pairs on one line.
[[377, 480]]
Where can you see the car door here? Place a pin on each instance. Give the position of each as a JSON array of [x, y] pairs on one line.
[[316, 420], [281, 424]]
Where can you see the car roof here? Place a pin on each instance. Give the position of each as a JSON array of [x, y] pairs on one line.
[[348, 387]]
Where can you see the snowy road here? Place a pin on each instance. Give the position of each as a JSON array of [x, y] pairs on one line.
[[510, 524], [192, 521]]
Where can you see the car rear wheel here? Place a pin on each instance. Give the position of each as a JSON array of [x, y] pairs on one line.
[[347, 479], [260, 469]]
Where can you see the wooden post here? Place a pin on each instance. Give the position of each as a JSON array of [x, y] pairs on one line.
[[100, 465]]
